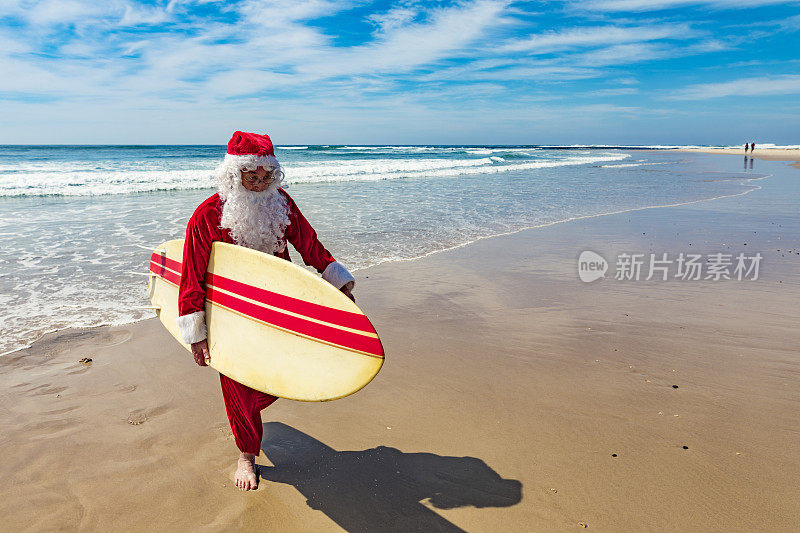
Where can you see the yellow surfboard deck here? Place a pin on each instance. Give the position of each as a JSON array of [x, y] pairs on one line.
[[273, 325]]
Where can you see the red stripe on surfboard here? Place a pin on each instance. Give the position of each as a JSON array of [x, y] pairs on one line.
[[294, 305], [346, 339], [287, 303], [162, 272], [163, 260]]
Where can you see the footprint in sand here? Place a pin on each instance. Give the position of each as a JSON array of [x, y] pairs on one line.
[[113, 338], [226, 431], [138, 417], [64, 341], [85, 363]]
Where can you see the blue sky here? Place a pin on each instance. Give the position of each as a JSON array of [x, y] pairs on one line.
[[476, 72]]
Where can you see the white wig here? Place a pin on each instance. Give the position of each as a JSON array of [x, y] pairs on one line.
[[228, 174], [256, 220]]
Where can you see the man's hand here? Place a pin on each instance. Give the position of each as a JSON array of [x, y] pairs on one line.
[[200, 352], [347, 290]]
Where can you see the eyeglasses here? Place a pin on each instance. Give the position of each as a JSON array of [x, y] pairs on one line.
[[255, 179]]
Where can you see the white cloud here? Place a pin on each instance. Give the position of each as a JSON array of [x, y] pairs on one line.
[[789, 24], [618, 91], [264, 47], [763, 86], [271, 13], [516, 72], [24, 77], [405, 48], [135, 15], [393, 19], [709, 45], [656, 5], [246, 82], [273, 59], [63, 12], [592, 36], [52, 13], [10, 7], [624, 54], [9, 45]]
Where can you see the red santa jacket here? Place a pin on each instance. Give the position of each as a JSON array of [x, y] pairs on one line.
[[203, 229]]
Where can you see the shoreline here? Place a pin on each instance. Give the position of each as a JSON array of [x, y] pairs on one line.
[[514, 396], [454, 247]]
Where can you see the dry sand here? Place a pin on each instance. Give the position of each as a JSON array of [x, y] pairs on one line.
[[509, 385], [769, 154]]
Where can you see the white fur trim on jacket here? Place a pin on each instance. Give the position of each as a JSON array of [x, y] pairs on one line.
[[337, 275], [193, 327]]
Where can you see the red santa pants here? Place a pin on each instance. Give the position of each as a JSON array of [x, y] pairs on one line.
[[244, 406]]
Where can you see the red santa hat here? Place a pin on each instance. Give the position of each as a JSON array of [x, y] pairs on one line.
[[251, 150]]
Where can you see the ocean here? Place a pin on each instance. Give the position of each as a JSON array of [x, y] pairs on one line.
[[75, 221]]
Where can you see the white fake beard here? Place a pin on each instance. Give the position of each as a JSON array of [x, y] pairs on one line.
[[256, 220]]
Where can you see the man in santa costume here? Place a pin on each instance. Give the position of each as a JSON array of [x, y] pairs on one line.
[[249, 209]]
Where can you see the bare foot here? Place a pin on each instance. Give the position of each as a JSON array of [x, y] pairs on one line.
[[245, 476]]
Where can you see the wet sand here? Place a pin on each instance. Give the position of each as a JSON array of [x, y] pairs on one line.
[[514, 398]]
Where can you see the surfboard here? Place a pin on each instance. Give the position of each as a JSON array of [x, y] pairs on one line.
[[272, 325]]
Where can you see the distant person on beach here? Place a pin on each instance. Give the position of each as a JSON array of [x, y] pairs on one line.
[[745, 147], [752, 147], [249, 209]]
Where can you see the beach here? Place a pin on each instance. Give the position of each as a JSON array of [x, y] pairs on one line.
[[539, 281], [768, 154], [514, 398]]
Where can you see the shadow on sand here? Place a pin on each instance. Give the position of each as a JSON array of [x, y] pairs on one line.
[[380, 489]]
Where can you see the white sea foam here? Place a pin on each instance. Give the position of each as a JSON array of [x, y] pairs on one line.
[[421, 148], [368, 170], [638, 164], [778, 146], [74, 179], [488, 151], [92, 183], [623, 146]]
